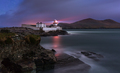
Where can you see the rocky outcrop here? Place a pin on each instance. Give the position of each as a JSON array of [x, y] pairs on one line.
[[27, 31], [8, 66], [92, 55], [54, 33], [68, 64], [25, 54], [21, 30]]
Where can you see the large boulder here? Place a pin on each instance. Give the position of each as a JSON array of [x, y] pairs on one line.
[[7, 66]]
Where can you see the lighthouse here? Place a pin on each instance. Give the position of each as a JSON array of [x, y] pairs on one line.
[[52, 27], [55, 23]]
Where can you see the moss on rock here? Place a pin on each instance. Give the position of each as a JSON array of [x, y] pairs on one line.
[[5, 38], [25, 50], [32, 39]]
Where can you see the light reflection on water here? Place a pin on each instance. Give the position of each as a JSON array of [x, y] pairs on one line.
[[56, 45], [56, 41]]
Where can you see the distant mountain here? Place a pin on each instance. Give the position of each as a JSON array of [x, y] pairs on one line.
[[91, 23]]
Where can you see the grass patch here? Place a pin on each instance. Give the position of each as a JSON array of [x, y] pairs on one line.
[[5, 38], [32, 39], [4, 35]]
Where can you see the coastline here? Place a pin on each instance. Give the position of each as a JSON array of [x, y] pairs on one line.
[[30, 60], [20, 54], [65, 63], [68, 64], [23, 31], [91, 28]]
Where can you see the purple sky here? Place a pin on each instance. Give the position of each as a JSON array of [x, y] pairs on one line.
[[17, 12]]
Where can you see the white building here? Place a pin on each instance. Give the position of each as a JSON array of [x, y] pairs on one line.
[[46, 29], [40, 24]]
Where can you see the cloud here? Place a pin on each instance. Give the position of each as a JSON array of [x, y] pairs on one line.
[[32, 11]]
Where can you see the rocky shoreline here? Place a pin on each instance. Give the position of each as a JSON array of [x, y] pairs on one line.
[[22, 31], [68, 64], [23, 54], [20, 54]]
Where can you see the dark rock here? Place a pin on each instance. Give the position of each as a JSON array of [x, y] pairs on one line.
[[22, 31], [23, 56], [44, 54], [92, 55], [68, 64], [5, 31], [62, 32], [10, 66], [53, 50], [54, 33], [44, 34], [44, 64]]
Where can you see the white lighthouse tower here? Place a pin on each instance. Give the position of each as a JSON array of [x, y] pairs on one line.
[[55, 23]]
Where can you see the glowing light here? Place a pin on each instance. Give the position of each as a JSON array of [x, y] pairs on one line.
[[55, 22]]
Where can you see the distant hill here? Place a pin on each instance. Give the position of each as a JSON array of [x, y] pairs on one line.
[[91, 24]]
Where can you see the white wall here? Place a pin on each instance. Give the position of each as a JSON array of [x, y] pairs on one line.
[[46, 29], [37, 25], [40, 25], [52, 29]]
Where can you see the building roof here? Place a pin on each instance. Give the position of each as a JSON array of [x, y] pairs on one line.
[[37, 23], [40, 22]]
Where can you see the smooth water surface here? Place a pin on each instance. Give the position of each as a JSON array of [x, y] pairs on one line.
[[102, 41]]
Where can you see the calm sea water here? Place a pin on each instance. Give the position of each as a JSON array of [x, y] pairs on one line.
[[102, 41]]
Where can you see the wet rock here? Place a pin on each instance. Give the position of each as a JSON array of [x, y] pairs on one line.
[[10, 66], [92, 55], [58, 32], [45, 62], [68, 64], [54, 33], [53, 51]]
